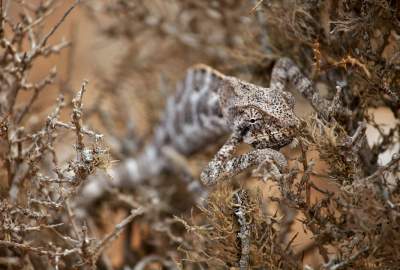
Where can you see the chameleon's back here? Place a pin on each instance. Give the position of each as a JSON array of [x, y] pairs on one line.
[[193, 117], [192, 120]]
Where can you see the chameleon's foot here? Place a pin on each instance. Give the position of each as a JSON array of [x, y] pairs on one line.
[[272, 161], [211, 174]]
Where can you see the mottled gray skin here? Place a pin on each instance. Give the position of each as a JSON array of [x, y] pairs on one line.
[[258, 116], [209, 105]]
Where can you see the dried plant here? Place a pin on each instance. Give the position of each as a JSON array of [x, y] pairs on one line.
[[38, 226], [239, 225], [337, 206]]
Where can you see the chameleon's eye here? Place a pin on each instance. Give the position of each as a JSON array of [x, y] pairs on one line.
[[252, 120]]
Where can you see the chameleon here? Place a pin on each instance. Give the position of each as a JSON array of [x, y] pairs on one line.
[[208, 105]]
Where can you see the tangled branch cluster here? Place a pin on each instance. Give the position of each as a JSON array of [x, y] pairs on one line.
[[38, 227]]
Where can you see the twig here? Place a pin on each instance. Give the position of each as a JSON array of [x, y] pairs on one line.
[[37, 88], [38, 250], [345, 263], [117, 230], [335, 103], [1, 19], [77, 115], [24, 228], [262, 21], [241, 200], [380, 170], [141, 265], [83, 130], [55, 27], [259, 2]]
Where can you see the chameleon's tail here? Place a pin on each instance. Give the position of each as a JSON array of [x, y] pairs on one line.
[[192, 120], [133, 172]]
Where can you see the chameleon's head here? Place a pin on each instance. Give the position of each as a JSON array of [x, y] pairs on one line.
[[264, 117]]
